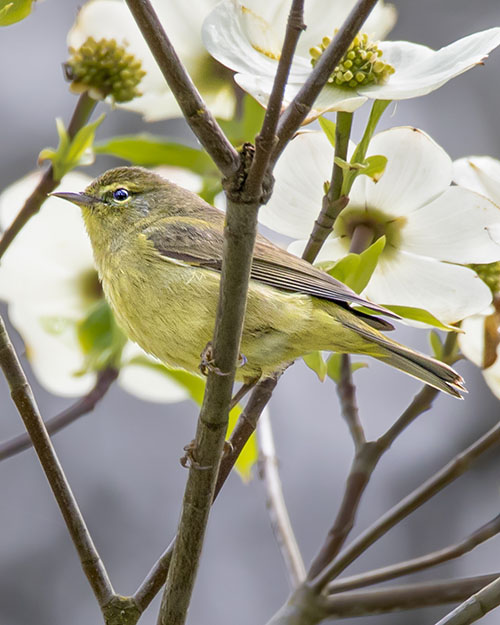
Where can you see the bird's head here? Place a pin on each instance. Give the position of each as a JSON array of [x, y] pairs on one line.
[[122, 195]]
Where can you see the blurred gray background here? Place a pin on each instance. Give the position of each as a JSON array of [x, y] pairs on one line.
[[122, 459]]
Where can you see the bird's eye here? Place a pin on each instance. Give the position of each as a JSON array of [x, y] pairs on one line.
[[120, 195]]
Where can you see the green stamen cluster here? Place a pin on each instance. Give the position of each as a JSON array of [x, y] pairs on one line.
[[490, 274], [361, 65], [103, 68]]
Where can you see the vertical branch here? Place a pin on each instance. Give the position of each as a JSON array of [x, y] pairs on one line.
[[22, 396], [278, 513]]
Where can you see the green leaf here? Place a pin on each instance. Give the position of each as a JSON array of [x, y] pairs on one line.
[[334, 367], [247, 126], [100, 338], [419, 314], [367, 262], [344, 268], [436, 344], [355, 270], [195, 386], [12, 11], [374, 166], [249, 454], [328, 127], [71, 153], [315, 361], [150, 151]]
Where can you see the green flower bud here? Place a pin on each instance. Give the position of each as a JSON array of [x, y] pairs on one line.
[[361, 65], [103, 68]]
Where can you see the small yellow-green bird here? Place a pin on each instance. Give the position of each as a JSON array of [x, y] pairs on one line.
[[158, 251]]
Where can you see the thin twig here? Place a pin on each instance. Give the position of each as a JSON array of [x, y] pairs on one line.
[[199, 118], [47, 184], [484, 533], [83, 406], [266, 139], [297, 111], [278, 513], [450, 472], [475, 607], [22, 396], [365, 460], [305, 607], [333, 201]]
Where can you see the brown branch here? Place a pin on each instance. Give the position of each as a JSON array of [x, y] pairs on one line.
[[305, 607], [333, 201], [365, 460], [297, 111], [22, 396], [199, 118], [450, 472], [47, 184], [278, 513], [484, 533], [81, 407]]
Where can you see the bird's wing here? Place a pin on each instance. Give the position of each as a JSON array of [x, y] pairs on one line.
[[187, 240]]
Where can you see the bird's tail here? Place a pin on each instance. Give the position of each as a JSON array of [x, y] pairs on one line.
[[420, 366]]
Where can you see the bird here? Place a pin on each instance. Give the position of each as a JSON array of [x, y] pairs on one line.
[[158, 252]]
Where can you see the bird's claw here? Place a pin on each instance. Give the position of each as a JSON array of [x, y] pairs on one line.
[[207, 363], [188, 460]]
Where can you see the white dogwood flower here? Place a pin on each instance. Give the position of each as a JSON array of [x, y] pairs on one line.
[[432, 229], [111, 19], [247, 37], [49, 281]]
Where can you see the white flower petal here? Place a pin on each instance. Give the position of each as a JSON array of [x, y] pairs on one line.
[[226, 35], [492, 378], [298, 190], [147, 382], [55, 355], [43, 261], [449, 292], [455, 227], [417, 170], [480, 174], [420, 70], [471, 341], [333, 249]]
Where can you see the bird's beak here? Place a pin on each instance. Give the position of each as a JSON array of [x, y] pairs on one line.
[[80, 199]]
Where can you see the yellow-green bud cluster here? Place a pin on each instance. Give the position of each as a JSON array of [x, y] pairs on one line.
[[361, 65], [103, 68], [489, 273]]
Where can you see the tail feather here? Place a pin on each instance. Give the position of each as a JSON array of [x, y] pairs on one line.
[[424, 368]]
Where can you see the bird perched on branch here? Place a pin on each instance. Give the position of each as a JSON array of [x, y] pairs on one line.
[[158, 251]]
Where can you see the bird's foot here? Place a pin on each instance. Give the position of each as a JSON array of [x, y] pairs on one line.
[[188, 460], [207, 363]]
